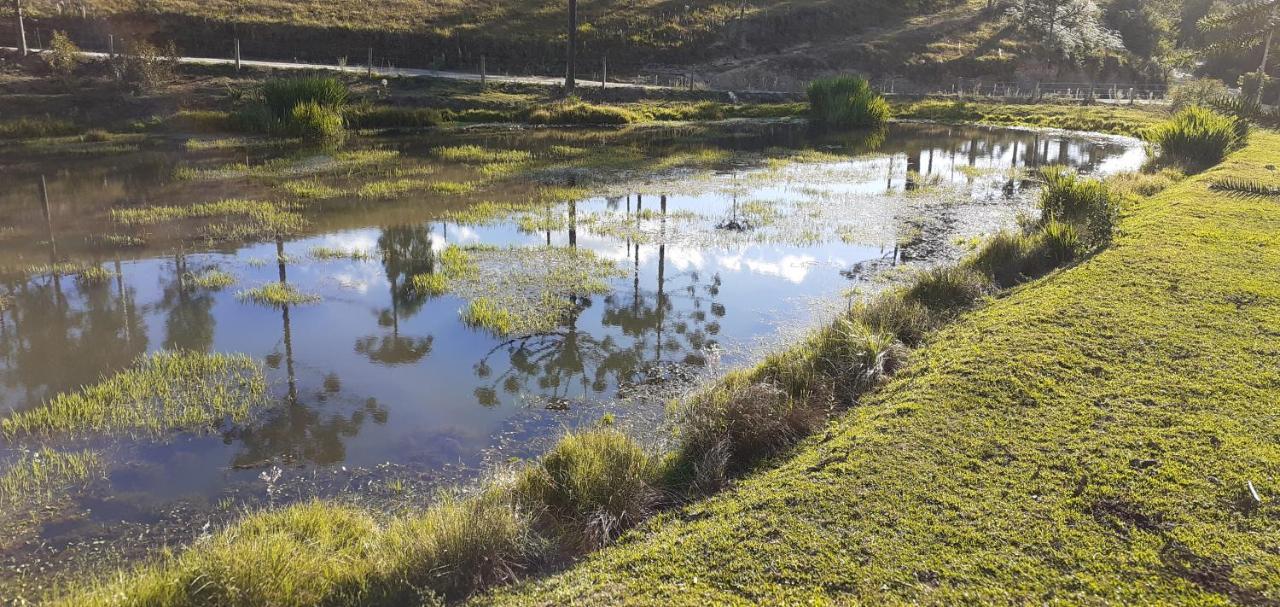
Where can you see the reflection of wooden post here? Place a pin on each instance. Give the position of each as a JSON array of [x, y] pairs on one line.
[[237, 54], [370, 68], [48, 217], [22, 28]]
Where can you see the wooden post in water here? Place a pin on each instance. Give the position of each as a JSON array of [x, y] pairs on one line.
[[48, 218]]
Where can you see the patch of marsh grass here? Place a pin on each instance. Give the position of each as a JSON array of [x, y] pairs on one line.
[[40, 474], [94, 275], [332, 254], [1198, 137], [948, 289], [474, 154], [162, 392], [277, 294], [310, 189], [212, 280]]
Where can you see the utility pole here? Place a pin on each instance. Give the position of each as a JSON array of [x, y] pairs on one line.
[[22, 29], [572, 49]]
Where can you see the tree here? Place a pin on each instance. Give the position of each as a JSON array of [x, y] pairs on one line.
[[1145, 26], [571, 49], [1072, 29], [1242, 28]]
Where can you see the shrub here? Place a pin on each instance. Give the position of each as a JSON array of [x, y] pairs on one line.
[[314, 121], [143, 66], [282, 95], [596, 483], [1085, 203], [1199, 137], [947, 289], [1197, 92], [63, 56], [846, 102]]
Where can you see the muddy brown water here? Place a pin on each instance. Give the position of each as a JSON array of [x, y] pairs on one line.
[[381, 394]]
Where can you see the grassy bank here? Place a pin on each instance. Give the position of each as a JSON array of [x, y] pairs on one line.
[[1121, 120], [1105, 435]]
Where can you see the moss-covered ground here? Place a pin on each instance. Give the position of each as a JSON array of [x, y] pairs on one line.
[[1106, 435]]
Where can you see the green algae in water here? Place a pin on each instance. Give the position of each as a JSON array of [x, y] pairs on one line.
[[161, 393]]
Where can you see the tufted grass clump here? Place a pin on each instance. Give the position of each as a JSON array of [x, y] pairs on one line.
[[162, 392], [1088, 204], [596, 483], [474, 154], [94, 275], [1199, 137], [846, 102], [948, 289], [277, 294]]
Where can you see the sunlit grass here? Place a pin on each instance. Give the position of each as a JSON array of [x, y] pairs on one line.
[[277, 294], [162, 392], [310, 189], [40, 474], [474, 154], [211, 279], [95, 275]]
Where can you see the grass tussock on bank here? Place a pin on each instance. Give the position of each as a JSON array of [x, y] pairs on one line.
[[163, 392], [1091, 437]]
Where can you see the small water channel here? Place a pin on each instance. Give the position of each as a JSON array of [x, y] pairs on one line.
[[714, 238]]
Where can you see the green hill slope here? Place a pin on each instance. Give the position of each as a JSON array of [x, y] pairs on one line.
[[1090, 439]]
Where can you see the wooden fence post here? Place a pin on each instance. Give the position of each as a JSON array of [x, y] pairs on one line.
[[483, 72], [237, 55], [604, 71], [22, 28]]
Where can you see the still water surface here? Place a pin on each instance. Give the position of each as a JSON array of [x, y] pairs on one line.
[[376, 385]]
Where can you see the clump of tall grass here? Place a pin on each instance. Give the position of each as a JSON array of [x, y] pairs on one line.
[[474, 154], [948, 289], [1199, 137], [277, 294], [481, 312], [1087, 204], [162, 392], [311, 120], [845, 102], [94, 275], [324, 553], [595, 484], [282, 95], [309, 107]]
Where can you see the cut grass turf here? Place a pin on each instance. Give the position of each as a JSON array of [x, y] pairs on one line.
[[1090, 438], [161, 393]]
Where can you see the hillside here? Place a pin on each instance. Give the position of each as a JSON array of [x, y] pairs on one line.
[[1106, 435], [773, 44]]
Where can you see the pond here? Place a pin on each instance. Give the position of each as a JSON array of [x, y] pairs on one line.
[[685, 250]]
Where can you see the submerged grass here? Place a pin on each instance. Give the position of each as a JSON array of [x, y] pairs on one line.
[[212, 280], [162, 392], [40, 474]]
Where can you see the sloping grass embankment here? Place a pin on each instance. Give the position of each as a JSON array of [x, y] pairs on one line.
[[1108, 435]]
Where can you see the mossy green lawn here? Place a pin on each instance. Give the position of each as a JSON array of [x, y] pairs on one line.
[[1092, 438]]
